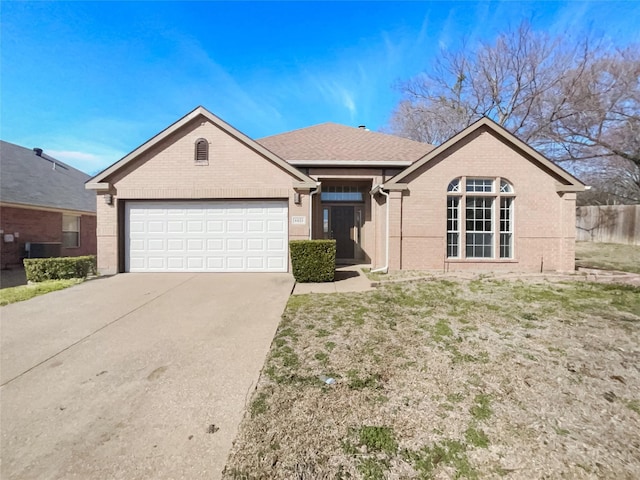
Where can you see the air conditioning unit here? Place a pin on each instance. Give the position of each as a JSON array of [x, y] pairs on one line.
[[42, 249]]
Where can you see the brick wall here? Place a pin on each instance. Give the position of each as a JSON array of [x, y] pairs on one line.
[[40, 226], [543, 219]]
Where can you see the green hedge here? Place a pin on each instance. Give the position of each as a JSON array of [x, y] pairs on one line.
[[58, 268], [313, 260]]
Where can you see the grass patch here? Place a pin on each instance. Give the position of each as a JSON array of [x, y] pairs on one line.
[[481, 410], [259, 405], [377, 439], [452, 453], [476, 437], [446, 379], [25, 292], [634, 405], [608, 256]]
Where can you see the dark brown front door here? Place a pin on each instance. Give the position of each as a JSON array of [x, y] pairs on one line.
[[342, 223]]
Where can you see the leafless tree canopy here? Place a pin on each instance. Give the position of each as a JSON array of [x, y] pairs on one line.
[[575, 101]]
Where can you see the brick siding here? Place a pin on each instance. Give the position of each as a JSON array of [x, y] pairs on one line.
[[40, 226]]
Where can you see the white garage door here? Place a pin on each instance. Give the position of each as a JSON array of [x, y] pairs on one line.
[[206, 236]]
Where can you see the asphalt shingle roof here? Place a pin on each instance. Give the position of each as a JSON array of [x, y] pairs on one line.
[[331, 141], [28, 179]]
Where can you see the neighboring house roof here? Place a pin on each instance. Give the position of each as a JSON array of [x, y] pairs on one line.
[[331, 143], [27, 178], [97, 182], [569, 182]]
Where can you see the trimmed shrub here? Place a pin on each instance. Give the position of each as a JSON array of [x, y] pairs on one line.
[[313, 260], [58, 268]]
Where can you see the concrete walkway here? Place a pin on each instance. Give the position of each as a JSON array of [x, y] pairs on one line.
[[137, 376], [349, 278]]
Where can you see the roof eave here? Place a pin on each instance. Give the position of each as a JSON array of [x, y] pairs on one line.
[[350, 163]]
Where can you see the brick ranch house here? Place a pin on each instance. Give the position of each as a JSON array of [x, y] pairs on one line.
[[202, 196], [44, 208]]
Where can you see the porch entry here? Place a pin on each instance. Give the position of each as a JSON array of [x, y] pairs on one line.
[[342, 217], [342, 226]]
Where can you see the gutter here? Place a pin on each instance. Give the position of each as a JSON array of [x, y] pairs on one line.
[[379, 189]]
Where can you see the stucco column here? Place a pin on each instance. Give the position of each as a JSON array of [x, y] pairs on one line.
[[395, 230]]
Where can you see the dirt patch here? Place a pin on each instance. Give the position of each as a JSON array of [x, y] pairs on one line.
[[450, 379]]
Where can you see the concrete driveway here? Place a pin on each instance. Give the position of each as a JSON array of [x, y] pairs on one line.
[[133, 376]]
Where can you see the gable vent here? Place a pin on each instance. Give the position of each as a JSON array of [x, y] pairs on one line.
[[202, 152]]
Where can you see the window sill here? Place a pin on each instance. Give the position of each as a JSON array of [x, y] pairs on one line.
[[481, 260]]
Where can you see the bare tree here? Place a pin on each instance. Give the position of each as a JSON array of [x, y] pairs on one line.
[[575, 101]]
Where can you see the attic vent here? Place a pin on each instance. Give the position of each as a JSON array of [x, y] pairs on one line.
[[38, 151], [202, 152]]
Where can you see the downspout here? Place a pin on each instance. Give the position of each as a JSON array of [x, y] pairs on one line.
[[311, 194], [384, 269]]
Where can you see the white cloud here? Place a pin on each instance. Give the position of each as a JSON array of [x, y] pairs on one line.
[[85, 157]]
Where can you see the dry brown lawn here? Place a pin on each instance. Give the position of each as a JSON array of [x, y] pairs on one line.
[[450, 379]]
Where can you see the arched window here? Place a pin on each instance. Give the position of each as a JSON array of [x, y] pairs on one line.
[[474, 228], [202, 152]]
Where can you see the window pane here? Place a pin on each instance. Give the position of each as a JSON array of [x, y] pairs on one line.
[[505, 187], [479, 245], [506, 227], [70, 231], [341, 193], [479, 185], [453, 236], [70, 239], [70, 223], [453, 243], [479, 236], [454, 186]]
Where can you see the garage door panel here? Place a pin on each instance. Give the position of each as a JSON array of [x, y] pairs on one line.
[[235, 263], [175, 245], [215, 226], [206, 236], [256, 263], [195, 245], [255, 244], [176, 226], [156, 245], [195, 226], [159, 263], [255, 226], [276, 226], [235, 226], [235, 245]]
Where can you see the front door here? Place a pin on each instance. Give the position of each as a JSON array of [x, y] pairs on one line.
[[342, 223]]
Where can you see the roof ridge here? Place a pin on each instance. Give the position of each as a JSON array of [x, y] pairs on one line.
[[341, 125], [297, 130]]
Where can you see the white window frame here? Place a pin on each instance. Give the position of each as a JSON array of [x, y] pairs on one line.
[[479, 204], [65, 219], [497, 190]]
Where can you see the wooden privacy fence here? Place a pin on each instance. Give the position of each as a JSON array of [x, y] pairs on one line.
[[609, 224]]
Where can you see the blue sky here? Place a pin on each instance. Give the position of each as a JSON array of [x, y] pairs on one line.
[[90, 81]]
